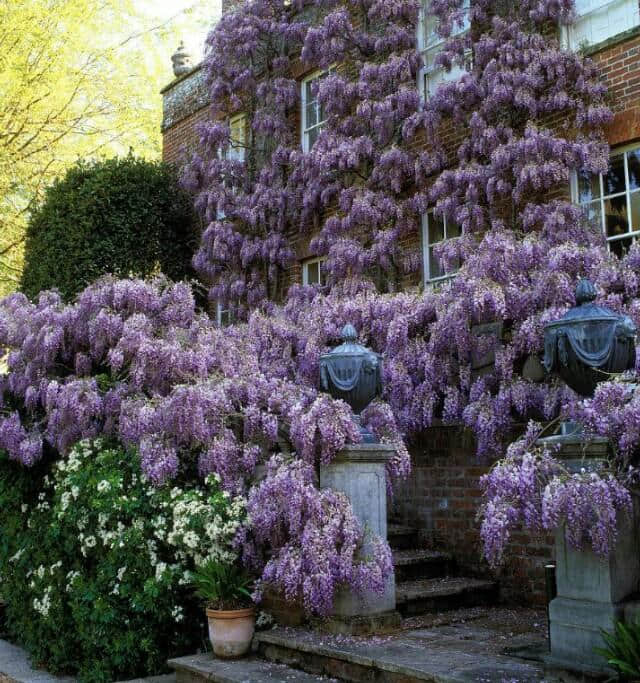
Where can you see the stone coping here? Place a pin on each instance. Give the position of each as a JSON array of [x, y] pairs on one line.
[[364, 452]]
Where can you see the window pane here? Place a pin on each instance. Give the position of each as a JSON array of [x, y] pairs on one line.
[[453, 230], [310, 115], [436, 229], [312, 136], [435, 270], [633, 165], [614, 180], [594, 213], [588, 187], [621, 247], [313, 273], [616, 219], [635, 211]]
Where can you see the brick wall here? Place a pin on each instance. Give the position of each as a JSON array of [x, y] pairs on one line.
[[441, 498], [182, 138]]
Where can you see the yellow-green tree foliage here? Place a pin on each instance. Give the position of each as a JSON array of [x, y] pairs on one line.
[[78, 79]]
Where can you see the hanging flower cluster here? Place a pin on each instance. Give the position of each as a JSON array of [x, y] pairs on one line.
[[136, 361]]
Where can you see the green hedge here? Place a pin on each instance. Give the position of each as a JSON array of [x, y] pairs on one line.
[[123, 216]]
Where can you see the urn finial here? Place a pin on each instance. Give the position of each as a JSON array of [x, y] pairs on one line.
[[585, 292], [181, 60]]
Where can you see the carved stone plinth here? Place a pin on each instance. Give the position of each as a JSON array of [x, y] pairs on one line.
[[592, 592], [359, 472]]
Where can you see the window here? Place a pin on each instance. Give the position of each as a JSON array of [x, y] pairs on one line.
[[223, 315], [313, 272], [435, 230], [238, 130], [313, 117], [612, 200], [600, 19], [430, 44]]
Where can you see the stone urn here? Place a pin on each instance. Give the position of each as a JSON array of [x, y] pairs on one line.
[[353, 373], [586, 346]]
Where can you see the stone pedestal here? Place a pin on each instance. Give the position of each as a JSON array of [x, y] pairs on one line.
[[359, 472], [592, 592]]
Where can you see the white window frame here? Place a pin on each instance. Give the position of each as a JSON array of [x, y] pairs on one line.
[[575, 36], [305, 270], [436, 74], [304, 129], [237, 151], [221, 314], [427, 278], [634, 232]]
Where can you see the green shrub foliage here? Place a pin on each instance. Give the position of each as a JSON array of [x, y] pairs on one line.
[[96, 564], [124, 216]]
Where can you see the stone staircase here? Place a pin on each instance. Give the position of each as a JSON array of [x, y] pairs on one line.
[[426, 580]]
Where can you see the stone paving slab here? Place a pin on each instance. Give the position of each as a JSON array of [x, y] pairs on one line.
[[15, 667], [462, 650], [206, 667]]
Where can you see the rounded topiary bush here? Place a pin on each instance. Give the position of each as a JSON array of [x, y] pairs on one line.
[[125, 216]]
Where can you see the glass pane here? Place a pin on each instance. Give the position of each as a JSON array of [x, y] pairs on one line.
[[313, 273], [614, 180], [594, 213], [320, 114], [308, 90], [312, 136], [633, 165], [453, 229], [621, 247], [435, 269], [436, 229], [588, 187], [311, 117], [615, 216], [430, 35], [634, 198]]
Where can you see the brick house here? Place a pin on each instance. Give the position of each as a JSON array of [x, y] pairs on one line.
[[442, 493]]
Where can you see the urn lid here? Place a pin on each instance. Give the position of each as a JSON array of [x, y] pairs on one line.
[[586, 310], [349, 345]]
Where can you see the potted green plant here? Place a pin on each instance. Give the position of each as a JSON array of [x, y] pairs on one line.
[[226, 591]]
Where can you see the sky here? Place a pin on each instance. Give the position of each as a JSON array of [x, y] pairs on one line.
[[189, 20]]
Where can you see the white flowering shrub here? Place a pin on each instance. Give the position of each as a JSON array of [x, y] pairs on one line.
[[97, 573]]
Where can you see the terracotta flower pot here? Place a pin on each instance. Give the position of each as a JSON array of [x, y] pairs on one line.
[[231, 631]]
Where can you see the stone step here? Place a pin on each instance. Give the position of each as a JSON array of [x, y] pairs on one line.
[[436, 595], [427, 654], [402, 537], [420, 564], [206, 667]]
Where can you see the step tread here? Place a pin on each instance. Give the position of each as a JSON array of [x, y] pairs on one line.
[[440, 587], [417, 556], [209, 668]]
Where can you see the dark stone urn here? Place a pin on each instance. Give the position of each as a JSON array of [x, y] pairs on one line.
[[589, 343], [353, 373]]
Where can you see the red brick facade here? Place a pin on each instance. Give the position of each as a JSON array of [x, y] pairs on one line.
[[442, 494], [441, 498]]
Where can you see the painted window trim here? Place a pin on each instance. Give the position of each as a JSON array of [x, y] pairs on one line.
[[304, 131], [616, 151], [242, 117], [427, 280], [568, 41], [305, 269], [423, 47]]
